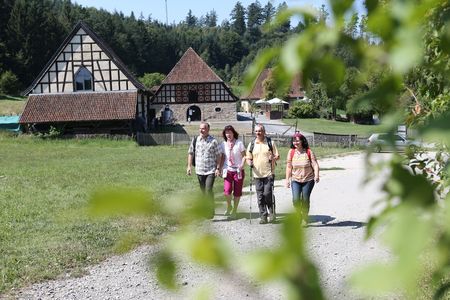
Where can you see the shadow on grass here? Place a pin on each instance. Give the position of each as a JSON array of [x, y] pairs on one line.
[[177, 128], [12, 98]]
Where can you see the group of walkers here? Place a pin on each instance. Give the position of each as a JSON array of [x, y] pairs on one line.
[[228, 159]]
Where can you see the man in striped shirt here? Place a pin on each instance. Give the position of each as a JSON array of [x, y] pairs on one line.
[[207, 161]]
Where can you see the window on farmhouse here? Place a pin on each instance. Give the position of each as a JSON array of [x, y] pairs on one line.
[[83, 80]]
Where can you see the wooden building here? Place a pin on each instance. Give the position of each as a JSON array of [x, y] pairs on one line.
[[86, 88], [295, 92], [192, 91]]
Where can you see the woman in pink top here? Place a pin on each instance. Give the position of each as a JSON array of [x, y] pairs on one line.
[[302, 171], [232, 164]]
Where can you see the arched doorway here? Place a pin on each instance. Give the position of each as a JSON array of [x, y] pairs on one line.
[[194, 113]]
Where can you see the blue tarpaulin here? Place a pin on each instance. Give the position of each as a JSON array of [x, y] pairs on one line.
[[10, 123]]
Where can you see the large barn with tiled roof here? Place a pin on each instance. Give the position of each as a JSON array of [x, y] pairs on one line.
[[193, 91], [85, 88]]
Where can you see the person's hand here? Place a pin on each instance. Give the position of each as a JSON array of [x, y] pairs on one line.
[[316, 178], [188, 171], [217, 173], [287, 184]]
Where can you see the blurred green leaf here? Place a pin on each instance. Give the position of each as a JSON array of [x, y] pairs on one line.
[[371, 6], [403, 273], [340, 7], [202, 247], [203, 293], [166, 270], [306, 12], [266, 265], [112, 201], [210, 250], [406, 53], [381, 23], [290, 56], [259, 64], [409, 187], [292, 233], [189, 208], [375, 279], [438, 129], [332, 72]]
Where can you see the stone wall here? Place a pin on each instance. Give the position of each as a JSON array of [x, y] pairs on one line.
[[208, 111]]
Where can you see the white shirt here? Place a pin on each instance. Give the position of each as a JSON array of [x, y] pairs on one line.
[[237, 150]]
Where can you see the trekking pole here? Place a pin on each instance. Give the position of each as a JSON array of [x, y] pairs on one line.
[[272, 161], [251, 181]]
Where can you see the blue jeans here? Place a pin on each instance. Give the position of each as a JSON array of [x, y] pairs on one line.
[[301, 192]]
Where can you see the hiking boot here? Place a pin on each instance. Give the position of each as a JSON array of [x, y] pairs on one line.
[[271, 218], [263, 220]]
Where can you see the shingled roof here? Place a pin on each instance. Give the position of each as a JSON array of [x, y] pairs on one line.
[[191, 68], [295, 90], [98, 106]]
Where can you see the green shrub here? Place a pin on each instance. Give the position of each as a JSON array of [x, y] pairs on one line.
[[303, 110], [149, 80], [9, 84]]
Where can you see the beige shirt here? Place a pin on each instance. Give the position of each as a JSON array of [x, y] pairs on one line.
[[302, 170], [260, 156]]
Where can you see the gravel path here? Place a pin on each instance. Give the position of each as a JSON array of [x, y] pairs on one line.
[[340, 207]]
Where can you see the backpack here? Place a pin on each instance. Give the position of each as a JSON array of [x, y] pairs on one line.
[[194, 142], [292, 152], [269, 143]]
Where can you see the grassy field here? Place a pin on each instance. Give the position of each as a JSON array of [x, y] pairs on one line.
[[44, 190], [10, 105], [329, 126]]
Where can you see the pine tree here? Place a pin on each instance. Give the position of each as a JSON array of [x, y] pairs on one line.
[[238, 19]]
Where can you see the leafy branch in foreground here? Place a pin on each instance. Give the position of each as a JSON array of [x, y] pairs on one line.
[[411, 40], [415, 221]]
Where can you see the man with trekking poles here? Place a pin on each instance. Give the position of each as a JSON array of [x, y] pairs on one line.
[[261, 157]]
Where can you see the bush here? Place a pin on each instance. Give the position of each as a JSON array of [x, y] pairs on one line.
[[9, 84], [303, 110], [150, 80]]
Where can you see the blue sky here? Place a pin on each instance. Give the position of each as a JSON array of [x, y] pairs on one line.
[[178, 9]]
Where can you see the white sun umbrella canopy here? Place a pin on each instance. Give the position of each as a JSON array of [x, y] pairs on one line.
[[260, 101], [276, 101]]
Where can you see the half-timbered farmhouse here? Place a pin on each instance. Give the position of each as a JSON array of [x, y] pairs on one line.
[[193, 91], [85, 88]]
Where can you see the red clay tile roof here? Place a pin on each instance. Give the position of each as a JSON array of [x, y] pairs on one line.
[[47, 108], [191, 69], [258, 89]]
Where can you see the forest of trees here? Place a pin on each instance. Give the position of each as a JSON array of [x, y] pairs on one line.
[[32, 30]]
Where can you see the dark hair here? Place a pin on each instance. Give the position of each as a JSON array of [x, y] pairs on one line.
[[302, 138], [229, 127]]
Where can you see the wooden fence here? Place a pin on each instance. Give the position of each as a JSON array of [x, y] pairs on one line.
[[317, 139]]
